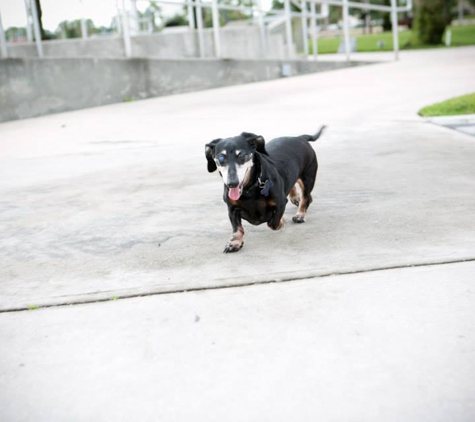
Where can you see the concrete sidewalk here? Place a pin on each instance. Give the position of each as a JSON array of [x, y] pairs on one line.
[[116, 202], [464, 123]]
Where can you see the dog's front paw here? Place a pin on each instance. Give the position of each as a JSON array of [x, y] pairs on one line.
[[298, 218], [233, 246]]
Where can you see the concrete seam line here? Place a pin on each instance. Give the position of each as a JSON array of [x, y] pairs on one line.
[[112, 296]]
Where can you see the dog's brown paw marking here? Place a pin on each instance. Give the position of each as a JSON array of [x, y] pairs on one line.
[[298, 218]]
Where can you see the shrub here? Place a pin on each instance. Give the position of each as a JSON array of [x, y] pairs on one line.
[[432, 17]]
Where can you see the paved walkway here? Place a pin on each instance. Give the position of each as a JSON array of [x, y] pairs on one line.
[[464, 123], [116, 202]]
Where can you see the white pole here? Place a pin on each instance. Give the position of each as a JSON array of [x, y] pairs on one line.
[[346, 29], [395, 29], [262, 28], [314, 31], [83, 28], [217, 41], [191, 18], [288, 28], [126, 31], [199, 22], [134, 14], [29, 32], [303, 7], [83, 22], [36, 26], [3, 40], [118, 22]]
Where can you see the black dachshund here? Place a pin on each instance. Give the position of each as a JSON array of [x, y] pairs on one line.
[[259, 177]]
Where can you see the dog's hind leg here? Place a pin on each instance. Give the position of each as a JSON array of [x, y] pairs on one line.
[[294, 196], [306, 183]]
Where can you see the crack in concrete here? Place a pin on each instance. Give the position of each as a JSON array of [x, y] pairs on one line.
[[117, 296]]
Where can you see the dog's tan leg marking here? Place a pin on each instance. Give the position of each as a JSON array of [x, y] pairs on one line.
[[294, 196], [236, 242], [300, 216]]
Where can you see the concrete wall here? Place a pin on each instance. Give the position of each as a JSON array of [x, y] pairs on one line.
[[34, 87], [93, 47], [236, 43]]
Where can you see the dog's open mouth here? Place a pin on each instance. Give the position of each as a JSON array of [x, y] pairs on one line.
[[235, 193]]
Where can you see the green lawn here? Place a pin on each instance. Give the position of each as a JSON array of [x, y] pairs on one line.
[[461, 35], [459, 105]]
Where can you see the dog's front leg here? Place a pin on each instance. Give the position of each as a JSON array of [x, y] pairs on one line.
[[237, 239], [277, 221]]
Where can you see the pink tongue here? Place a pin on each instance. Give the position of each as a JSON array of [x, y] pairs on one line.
[[234, 193]]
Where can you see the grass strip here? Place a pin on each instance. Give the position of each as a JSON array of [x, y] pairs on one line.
[[455, 106]]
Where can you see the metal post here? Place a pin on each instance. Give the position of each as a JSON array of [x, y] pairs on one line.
[[29, 32], [217, 41], [134, 14], [199, 22], [395, 29], [118, 23], [346, 29], [313, 22], [288, 28], [3, 40], [126, 31], [36, 27], [303, 7], [191, 18], [83, 28], [262, 29]]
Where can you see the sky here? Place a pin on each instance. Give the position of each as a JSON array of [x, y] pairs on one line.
[[56, 11]]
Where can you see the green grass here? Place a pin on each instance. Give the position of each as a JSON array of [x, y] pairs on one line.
[[461, 35], [459, 105], [326, 45], [370, 42]]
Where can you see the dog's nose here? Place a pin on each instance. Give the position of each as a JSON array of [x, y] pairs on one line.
[[233, 184]]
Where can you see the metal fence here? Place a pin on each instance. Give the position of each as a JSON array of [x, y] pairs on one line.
[[308, 14]]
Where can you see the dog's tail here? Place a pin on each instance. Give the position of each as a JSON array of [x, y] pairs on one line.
[[312, 138]]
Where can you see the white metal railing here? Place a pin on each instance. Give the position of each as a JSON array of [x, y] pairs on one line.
[[195, 7], [3, 40]]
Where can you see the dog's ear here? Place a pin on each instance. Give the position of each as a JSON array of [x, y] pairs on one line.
[[256, 141], [209, 152]]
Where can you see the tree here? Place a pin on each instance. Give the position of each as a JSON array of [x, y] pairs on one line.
[[279, 5], [176, 20], [154, 13], [40, 19], [72, 29], [431, 19]]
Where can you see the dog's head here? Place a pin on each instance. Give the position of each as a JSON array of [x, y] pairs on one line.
[[233, 158]]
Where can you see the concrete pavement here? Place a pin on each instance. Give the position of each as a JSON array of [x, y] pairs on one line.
[[381, 346], [464, 123], [116, 202]]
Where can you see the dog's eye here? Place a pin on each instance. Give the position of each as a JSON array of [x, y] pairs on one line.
[[221, 159]]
